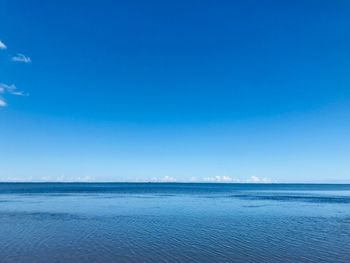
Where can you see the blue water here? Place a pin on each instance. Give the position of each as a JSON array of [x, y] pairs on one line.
[[149, 222]]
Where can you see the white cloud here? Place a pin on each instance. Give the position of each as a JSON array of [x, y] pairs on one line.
[[255, 179], [8, 89], [2, 102], [220, 179], [2, 45], [64, 179], [165, 179], [21, 58], [55, 179]]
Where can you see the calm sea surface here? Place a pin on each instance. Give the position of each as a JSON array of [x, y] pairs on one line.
[[125, 222]]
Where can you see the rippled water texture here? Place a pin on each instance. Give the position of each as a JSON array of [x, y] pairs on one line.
[[174, 223]]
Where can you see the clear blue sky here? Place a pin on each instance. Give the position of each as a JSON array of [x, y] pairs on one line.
[[175, 90]]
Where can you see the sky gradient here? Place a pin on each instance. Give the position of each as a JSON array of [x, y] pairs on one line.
[[228, 91]]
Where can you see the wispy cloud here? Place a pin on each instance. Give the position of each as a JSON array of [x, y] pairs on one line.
[[11, 89], [8, 89], [21, 58], [2, 45]]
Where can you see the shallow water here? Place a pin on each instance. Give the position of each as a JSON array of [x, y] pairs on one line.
[[174, 223]]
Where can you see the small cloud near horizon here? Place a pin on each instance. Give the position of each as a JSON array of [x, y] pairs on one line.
[[63, 178], [229, 179], [221, 179], [21, 58], [165, 179], [55, 179], [255, 179], [2, 45]]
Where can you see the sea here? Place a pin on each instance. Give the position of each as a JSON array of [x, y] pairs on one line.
[[174, 222]]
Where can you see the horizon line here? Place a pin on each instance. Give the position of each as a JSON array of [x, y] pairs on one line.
[[178, 182]]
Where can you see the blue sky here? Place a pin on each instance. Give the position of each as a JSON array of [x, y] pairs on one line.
[[185, 90]]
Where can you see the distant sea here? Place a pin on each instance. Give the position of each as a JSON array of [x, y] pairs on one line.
[[150, 222]]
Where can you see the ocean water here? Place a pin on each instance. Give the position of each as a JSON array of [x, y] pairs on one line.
[[147, 222]]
